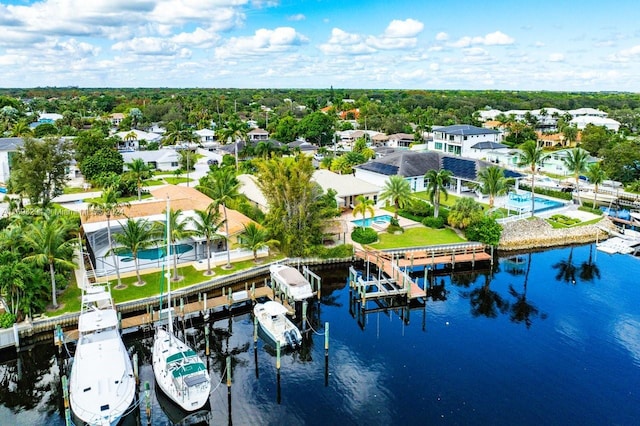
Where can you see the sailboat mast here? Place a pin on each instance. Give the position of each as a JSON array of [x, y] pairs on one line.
[[168, 265]]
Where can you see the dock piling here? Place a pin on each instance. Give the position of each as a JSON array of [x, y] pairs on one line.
[[135, 368], [147, 400]]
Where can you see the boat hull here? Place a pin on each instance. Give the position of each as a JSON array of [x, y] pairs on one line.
[[176, 375], [292, 282], [101, 383], [276, 326]]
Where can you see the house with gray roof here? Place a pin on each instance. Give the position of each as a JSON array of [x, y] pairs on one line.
[[459, 138], [413, 165], [166, 159]]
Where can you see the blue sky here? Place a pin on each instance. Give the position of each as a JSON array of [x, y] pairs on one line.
[[407, 44]]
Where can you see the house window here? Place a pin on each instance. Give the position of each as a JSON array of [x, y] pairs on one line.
[[174, 164], [438, 145], [465, 138], [450, 137]]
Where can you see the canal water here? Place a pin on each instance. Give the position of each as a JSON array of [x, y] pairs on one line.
[[545, 338]]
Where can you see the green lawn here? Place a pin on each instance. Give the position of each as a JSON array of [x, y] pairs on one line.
[[177, 180], [421, 236], [69, 300]]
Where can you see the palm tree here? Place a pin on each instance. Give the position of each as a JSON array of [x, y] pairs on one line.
[[596, 175], [487, 302], [140, 171], [531, 156], [398, 191], [493, 182], [222, 187], [364, 205], [21, 129], [206, 223], [136, 235], [51, 245], [570, 134], [109, 205], [254, 238], [178, 131], [234, 131], [437, 183], [179, 231], [576, 163]]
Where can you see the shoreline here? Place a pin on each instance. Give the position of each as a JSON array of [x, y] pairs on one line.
[[534, 233]]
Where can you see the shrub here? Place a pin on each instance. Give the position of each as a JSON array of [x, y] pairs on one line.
[[338, 252], [419, 208], [563, 195], [7, 320], [364, 235], [433, 222], [486, 231]]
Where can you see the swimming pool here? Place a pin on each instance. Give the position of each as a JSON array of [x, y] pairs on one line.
[[156, 252], [380, 220], [522, 203]]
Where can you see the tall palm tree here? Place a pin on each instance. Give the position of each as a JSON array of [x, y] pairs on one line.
[[179, 231], [109, 205], [21, 129], [437, 182], [140, 171], [234, 131], [364, 205], [398, 191], [493, 182], [137, 235], [570, 134], [206, 223], [531, 156], [222, 186], [576, 163], [254, 238], [51, 244], [596, 175]]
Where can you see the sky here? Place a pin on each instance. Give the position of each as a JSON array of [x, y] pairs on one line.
[[552, 45]]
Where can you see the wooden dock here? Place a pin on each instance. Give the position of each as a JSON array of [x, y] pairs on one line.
[[188, 310]]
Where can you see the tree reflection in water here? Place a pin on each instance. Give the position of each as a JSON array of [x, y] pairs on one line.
[[486, 302], [589, 270], [566, 269], [522, 310]]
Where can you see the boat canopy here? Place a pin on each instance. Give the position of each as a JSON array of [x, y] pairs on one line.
[[187, 369], [180, 355]]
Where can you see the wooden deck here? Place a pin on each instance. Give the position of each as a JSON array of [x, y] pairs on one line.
[[385, 263]]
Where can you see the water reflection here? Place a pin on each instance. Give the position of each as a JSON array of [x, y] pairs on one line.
[[485, 301], [398, 372], [566, 269]]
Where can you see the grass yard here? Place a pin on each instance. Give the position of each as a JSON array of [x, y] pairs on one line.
[[177, 180], [69, 300], [414, 237]]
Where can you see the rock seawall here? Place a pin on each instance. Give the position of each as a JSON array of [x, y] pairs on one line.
[[537, 233]]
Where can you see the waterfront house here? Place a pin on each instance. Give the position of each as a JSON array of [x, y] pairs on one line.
[[165, 159], [186, 199], [413, 165], [131, 139], [459, 138]]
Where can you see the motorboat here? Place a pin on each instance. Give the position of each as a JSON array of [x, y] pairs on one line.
[[178, 369], [273, 321], [291, 281], [102, 384]]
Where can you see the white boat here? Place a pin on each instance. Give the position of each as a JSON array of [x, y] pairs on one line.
[[274, 322], [292, 282], [101, 385], [178, 369]]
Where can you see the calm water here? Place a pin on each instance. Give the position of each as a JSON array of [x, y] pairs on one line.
[[522, 203], [548, 338]]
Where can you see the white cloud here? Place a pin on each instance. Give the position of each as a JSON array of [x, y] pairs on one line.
[[261, 43], [198, 38], [297, 17], [556, 57], [491, 39], [403, 29], [626, 54], [148, 46], [442, 36], [434, 66]]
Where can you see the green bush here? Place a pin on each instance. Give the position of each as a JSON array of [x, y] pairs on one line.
[[364, 235], [588, 209], [486, 231], [548, 192], [339, 252], [433, 222], [418, 208], [392, 229], [7, 320]]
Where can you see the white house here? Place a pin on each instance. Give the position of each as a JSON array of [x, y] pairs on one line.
[[8, 147], [166, 159], [459, 138], [347, 187], [206, 136], [400, 140], [581, 122], [131, 139], [257, 134], [591, 112]]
